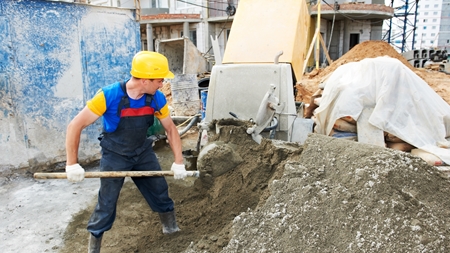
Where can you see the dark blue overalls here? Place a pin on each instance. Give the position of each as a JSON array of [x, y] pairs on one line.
[[128, 149]]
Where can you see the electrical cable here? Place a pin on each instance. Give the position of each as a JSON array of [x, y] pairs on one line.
[[228, 11], [223, 28], [206, 7]]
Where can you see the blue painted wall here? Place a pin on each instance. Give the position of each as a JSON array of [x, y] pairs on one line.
[[54, 56]]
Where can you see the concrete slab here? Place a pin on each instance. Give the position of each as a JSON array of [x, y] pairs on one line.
[[367, 133]]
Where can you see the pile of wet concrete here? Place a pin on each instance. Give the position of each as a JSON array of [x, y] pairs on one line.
[[344, 196]]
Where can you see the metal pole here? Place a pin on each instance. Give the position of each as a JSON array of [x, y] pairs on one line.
[[390, 24], [415, 22], [404, 27]]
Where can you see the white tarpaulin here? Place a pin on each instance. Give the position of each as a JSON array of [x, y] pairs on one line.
[[404, 104]]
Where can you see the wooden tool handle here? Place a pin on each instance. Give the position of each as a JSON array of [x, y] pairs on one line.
[[105, 174]]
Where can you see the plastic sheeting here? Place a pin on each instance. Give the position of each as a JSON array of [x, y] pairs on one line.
[[404, 104]]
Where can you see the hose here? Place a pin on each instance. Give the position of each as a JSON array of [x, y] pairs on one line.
[[270, 128], [178, 120], [193, 120]]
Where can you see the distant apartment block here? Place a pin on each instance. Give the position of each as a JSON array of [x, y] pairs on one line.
[[433, 24], [429, 27]]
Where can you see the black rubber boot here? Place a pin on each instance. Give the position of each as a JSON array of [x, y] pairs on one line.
[[95, 244], [169, 222]]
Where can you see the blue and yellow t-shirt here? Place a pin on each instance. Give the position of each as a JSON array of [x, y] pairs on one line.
[[105, 103]]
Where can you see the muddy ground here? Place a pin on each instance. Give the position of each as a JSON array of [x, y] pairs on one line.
[[328, 195]]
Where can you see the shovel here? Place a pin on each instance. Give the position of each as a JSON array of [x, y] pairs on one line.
[[112, 174]]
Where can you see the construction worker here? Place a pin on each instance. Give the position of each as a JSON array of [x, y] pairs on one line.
[[128, 109]]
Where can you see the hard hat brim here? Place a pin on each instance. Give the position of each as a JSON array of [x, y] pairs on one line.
[[170, 75]]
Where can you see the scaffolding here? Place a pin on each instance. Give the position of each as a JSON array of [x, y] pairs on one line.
[[402, 26]]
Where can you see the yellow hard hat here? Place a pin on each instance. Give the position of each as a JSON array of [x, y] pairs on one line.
[[150, 65]]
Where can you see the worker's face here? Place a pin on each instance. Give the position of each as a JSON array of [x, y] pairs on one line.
[[154, 84]]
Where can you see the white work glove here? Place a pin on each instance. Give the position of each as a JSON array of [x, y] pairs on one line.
[[75, 173], [179, 171]]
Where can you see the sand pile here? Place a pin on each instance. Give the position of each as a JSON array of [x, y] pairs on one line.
[[370, 49]]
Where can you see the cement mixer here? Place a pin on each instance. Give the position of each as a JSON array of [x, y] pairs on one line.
[[264, 54]]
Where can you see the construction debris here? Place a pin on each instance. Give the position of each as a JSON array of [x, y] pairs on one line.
[[406, 112], [400, 103], [438, 81]]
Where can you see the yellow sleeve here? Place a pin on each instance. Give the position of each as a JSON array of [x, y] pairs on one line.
[[163, 113], [98, 103]]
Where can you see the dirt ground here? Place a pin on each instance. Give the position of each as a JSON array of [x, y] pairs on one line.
[[328, 195]]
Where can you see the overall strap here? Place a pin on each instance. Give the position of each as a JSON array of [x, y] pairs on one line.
[[148, 100], [124, 101], [123, 86]]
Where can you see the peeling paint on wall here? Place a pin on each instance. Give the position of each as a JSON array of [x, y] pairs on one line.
[[54, 56]]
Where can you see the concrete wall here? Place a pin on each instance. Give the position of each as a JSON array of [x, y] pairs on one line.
[[376, 31], [54, 56], [341, 34]]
